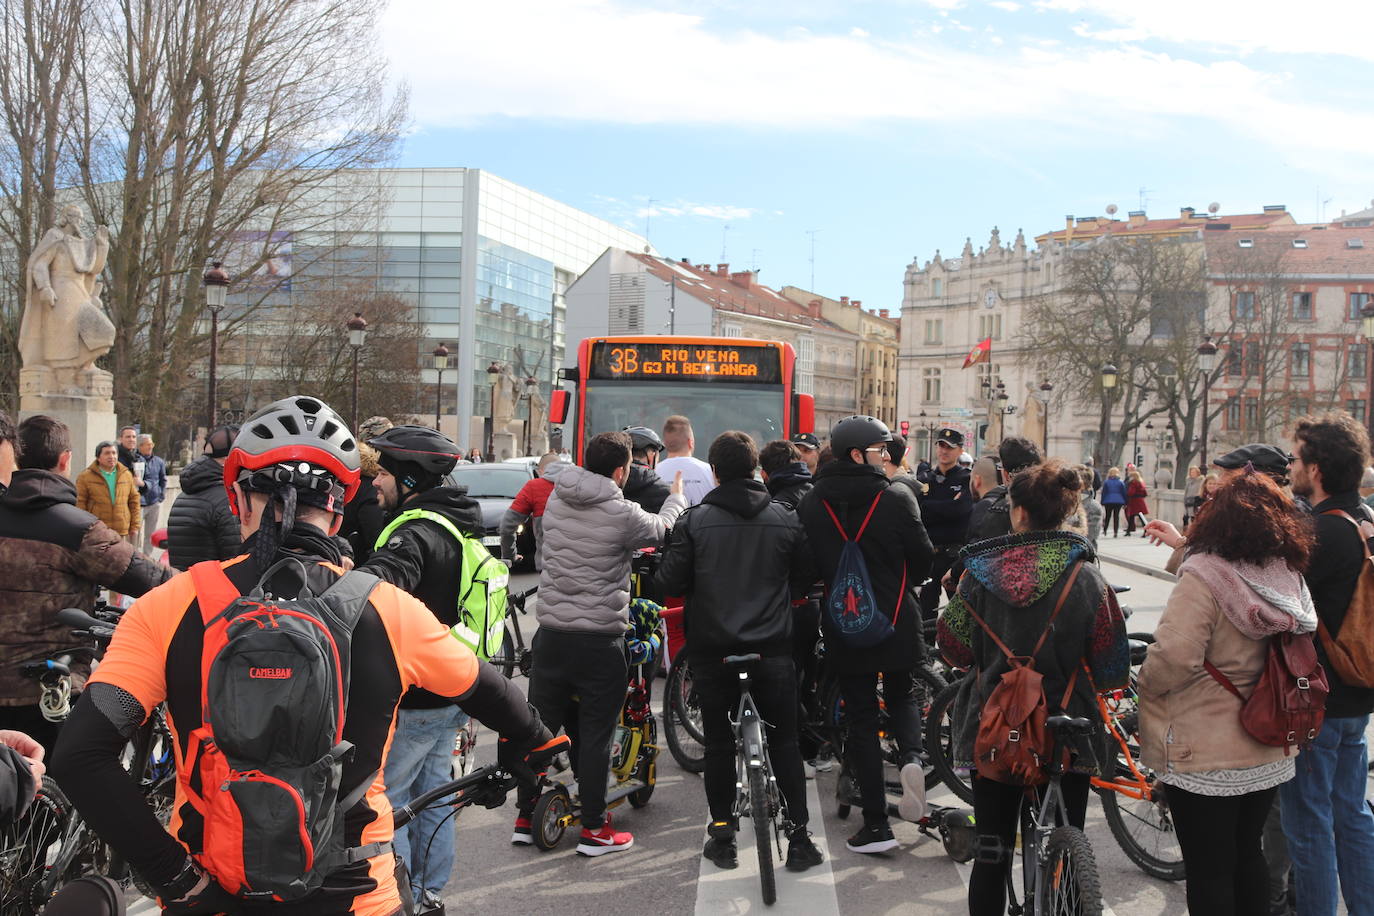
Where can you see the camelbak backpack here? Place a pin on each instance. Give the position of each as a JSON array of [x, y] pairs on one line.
[[851, 606], [481, 608], [264, 767]]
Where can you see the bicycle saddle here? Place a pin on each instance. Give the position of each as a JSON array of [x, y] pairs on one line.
[[742, 659], [1073, 725]]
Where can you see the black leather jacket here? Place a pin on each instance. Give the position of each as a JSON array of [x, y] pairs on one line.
[[739, 558]]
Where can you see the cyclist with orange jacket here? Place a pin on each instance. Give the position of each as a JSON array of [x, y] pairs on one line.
[[292, 468]]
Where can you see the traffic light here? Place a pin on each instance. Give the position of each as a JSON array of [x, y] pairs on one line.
[[906, 428]]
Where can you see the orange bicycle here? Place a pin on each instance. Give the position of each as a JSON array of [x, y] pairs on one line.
[[1133, 800]]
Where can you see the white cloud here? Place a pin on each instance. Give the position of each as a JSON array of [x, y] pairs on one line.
[[725, 212], [611, 61], [1005, 5]]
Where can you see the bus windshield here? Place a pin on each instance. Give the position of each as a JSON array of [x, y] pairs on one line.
[[748, 408]]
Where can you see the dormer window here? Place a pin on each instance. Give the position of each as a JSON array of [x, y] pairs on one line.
[[1299, 243], [1245, 243]]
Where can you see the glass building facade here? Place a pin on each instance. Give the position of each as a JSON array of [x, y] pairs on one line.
[[484, 263]]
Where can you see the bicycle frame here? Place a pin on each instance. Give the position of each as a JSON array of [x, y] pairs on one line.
[[1137, 786]]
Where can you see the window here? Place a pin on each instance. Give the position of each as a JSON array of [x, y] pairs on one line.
[[1301, 365], [1234, 357], [990, 326], [1245, 306], [1298, 407], [988, 374], [1252, 359], [1252, 413], [1233, 412], [730, 329], [1355, 407], [930, 386], [935, 328], [1357, 302], [1302, 306], [1299, 243], [1245, 243], [937, 287], [1356, 367]]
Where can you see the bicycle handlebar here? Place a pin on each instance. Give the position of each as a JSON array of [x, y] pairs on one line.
[[85, 625], [487, 786]]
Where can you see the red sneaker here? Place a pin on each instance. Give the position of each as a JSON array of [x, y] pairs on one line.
[[604, 840], [524, 833]]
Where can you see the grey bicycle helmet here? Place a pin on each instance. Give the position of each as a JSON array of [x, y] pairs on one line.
[[642, 438], [857, 432], [290, 432]]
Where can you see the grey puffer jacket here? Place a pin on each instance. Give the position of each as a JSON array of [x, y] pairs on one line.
[[590, 530]]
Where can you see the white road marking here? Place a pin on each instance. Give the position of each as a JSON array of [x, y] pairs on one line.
[[737, 891]]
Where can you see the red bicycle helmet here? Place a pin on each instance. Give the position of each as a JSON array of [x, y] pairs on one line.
[[295, 429]]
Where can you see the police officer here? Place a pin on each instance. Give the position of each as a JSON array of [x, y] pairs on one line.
[[945, 509]]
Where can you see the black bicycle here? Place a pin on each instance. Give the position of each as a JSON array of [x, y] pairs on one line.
[[514, 655], [756, 789]]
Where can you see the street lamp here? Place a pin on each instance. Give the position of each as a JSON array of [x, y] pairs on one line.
[[930, 429], [216, 292], [1367, 319], [357, 334], [1109, 374], [1206, 362], [1046, 390], [1149, 434], [440, 364]]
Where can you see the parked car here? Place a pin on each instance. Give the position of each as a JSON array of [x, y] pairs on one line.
[[494, 486]]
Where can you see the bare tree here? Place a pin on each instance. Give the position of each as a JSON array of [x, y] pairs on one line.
[[195, 127]]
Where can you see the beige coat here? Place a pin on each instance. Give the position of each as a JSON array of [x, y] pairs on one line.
[[93, 494], [1177, 693]]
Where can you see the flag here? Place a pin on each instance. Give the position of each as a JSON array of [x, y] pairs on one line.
[[981, 353]]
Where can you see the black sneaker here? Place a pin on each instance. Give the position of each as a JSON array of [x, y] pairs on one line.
[[801, 852], [720, 846], [872, 838]]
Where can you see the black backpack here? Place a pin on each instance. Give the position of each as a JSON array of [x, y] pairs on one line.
[[851, 606]]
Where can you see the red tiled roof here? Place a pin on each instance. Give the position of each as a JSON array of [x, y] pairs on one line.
[[739, 292], [1092, 227], [1327, 249]]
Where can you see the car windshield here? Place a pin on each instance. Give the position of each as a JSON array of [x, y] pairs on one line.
[[751, 409], [490, 482]]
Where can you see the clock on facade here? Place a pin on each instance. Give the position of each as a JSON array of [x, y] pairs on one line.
[[990, 298]]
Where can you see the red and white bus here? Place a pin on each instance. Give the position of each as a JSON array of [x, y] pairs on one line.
[[718, 383]]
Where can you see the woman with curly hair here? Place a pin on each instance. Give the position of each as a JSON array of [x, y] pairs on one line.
[[1010, 588], [1240, 585]]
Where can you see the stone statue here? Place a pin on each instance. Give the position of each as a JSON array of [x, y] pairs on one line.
[[1033, 416], [65, 328], [539, 420], [503, 396]]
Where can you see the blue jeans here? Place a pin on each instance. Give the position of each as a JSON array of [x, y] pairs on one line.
[[1329, 827], [421, 758]]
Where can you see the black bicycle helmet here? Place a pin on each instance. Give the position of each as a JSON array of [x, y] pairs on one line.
[[428, 449], [857, 432], [643, 438]]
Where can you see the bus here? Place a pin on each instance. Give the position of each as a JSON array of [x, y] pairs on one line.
[[718, 383]]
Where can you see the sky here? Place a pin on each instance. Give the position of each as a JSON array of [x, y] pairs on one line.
[[829, 143]]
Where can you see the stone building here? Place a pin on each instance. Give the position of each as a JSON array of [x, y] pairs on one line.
[[878, 335], [629, 292]]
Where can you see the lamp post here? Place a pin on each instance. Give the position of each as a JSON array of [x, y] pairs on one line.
[[1046, 391], [357, 335], [1206, 362], [216, 291], [1367, 319], [1109, 374], [1002, 409], [930, 435], [440, 364]]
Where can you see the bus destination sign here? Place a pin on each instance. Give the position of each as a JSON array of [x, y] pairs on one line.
[[700, 363]]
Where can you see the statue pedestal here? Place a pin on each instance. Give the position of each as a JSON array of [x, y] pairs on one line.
[[80, 398], [503, 445]]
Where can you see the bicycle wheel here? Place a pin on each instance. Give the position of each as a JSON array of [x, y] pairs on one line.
[[929, 685], [939, 735], [504, 658], [1143, 828], [25, 846], [763, 832], [682, 719], [1069, 882]]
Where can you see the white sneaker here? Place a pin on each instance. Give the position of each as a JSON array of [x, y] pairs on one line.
[[809, 769], [912, 805]]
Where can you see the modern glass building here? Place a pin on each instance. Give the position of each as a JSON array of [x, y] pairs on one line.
[[483, 261]]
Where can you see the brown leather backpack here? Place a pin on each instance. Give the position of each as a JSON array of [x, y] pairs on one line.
[[1351, 650], [1013, 744], [1288, 704]]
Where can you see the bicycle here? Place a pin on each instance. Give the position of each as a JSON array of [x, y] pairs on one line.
[[1058, 870], [756, 789], [514, 655]]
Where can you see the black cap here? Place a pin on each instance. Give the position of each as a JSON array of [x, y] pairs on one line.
[[1265, 458], [950, 436], [806, 440]]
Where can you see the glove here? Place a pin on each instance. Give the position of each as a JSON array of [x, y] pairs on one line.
[[204, 898], [528, 760]]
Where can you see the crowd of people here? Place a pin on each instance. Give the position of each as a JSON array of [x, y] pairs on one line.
[[760, 541]]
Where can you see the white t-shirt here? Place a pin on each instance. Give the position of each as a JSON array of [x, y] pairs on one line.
[[697, 479]]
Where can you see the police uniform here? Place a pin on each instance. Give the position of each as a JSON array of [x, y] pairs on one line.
[[945, 509]]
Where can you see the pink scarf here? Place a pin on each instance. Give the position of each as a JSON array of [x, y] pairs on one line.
[[1259, 599]]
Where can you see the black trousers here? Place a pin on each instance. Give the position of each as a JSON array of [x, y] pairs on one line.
[[1220, 837], [30, 721], [773, 684], [593, 669], [1112, 513], [863, 751], [933, 591], [997, 811], [806, 632]]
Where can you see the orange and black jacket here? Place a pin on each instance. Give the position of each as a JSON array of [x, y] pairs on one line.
[[156, 657]]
